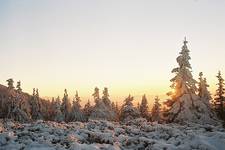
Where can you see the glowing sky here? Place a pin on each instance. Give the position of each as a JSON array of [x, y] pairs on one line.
[[129, 46]]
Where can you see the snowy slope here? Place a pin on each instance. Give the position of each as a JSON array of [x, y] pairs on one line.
[[95, 135]]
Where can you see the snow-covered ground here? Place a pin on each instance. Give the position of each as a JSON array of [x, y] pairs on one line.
[[105, 135]]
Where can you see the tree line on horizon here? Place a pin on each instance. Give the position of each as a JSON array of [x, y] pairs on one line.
[[56, 109], [189, 100]]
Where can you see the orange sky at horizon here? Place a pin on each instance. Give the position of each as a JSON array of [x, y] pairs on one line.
[[116, 95]]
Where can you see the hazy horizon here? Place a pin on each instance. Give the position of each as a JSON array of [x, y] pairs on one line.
[[128, 46]]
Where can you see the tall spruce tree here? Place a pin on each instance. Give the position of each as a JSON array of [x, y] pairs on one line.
[[14, 107], [35, 105], [116, 110], [105, 97], [183, 82], [87, 110], [39, 104], [10, 83], [205, 98], [57, 110], [76, 113], [18, 87], [66, 106], [128, 111], [144, 107], [96, 95], [156, 110], [219, 99], [203, 88], [185, 105]]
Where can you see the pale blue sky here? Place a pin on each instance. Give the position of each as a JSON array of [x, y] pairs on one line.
[[129, 46]]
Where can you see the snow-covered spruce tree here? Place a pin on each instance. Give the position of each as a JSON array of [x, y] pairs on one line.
[[185, 105], [58, 116], [39, 102], [128, 111], [105, 97], [51, 111], [144, 108], [219, 99], [96, 95], [100, 110], [113, 107], [18, 114], [116, 110], [10, 83], [87, 110], [15, 112], [23, 106], [76, 113], [203, 89], [66, 107], [107, 102], [18, 87], [35, 105], [19, 93], [205, 97], [156, 110]]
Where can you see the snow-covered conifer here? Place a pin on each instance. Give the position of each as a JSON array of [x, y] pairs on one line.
[[183, 82], [76, 113], [18, 87], [35, 105], [65, 106], [58, 116], [128, 111], [105, 97], [185, 105], [156, 110], [204, 105], [202, 88], [100, 109], [144, 108], [14, 109], [87, 109], [219, 99], [10, 83], [116, 110], [96, 95]]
